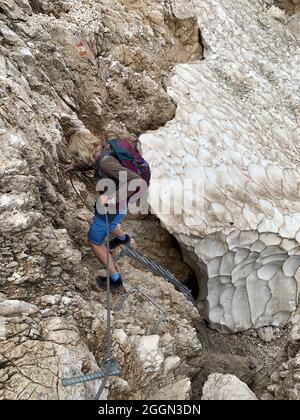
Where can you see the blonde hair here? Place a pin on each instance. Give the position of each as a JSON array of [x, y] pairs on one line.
[[83, 145]]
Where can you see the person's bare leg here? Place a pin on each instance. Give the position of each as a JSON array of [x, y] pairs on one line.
[[117, 231], [101, 251]]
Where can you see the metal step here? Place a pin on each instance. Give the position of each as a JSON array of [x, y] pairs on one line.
[[108, 368], [160, 271], [157, 269]]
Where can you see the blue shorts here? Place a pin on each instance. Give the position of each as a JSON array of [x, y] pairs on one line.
[[97, 231]]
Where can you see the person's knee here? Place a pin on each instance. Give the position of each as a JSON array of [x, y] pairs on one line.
[[94, 246]]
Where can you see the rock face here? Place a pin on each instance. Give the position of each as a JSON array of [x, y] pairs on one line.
[[235, 136], [63, 335], [226, 387], [223, 363], [290, 6], [294, 26], [99, 65], [285, 381], [104, 65]]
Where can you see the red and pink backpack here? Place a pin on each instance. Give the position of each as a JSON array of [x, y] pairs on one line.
[[130, 158]]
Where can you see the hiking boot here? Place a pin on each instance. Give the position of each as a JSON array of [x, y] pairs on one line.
[[115, 286], [113, 243]]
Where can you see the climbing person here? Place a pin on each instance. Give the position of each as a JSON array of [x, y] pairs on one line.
[[114, 162]]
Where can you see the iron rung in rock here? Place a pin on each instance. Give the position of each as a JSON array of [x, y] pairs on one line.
[[108, 368], [157, 270]]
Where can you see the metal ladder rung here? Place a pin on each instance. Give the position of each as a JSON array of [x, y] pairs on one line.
[[163, 315], [109, 368], [158, 270], [166, 274]]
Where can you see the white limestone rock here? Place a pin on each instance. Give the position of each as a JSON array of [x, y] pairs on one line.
[[50, 299], [226, 388], [266, 334], [177, 391], [10, 308], [148, 352]]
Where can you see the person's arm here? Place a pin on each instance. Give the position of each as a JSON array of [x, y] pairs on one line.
[[77, 166]]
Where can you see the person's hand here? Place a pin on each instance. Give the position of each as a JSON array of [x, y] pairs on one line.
[[104, 200], [70, 167]]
